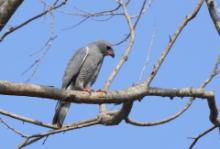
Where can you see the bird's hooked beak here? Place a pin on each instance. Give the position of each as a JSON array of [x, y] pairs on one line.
[[110, 52]]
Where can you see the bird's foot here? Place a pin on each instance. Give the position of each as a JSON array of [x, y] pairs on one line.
[[102, 91], [88, 90]]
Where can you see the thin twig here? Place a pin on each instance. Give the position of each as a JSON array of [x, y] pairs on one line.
[[158, 65], [13, 129], [84, 13], [173, 38], [77, 24], [143, 8], [127, 51], [12, 29], [28, 120], [33, 138], [36, 64], [196, 139], [214, 72], [149, 49], [124, 57], [88, 15]]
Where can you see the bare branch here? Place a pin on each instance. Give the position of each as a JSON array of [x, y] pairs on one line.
[[159, 63], [77, 24], [137, 20], [7, 9], [92, 15], [163, 121], [119, 96], [213, 14], [115, 117], [25, 119], [126, 52], [172, 41], [12, 29], [12, 129], [43, 52], [33, 138], [149, 49], [213, 117], [213, 73], [84, 13], [125, 96], [196, 139], [124, 57]]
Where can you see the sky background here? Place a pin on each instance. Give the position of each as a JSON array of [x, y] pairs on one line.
[[188, 64]]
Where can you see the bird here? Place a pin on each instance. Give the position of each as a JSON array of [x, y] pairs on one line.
[[81, 73]]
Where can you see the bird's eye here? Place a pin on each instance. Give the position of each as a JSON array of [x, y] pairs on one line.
[[108, 48]]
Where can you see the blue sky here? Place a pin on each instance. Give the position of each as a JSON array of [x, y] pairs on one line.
[[188, 64]]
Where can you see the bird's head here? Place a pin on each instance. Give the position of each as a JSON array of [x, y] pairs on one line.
[[105, 48]]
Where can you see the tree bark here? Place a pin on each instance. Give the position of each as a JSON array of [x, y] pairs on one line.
[[214, 14], [7, 9], [119, 96]]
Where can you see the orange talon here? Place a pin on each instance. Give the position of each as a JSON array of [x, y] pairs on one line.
[[88, 90], [102, 91]]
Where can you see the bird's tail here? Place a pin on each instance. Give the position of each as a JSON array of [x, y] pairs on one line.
[[61, 110]]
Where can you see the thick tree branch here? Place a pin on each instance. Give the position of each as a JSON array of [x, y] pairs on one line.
[[119, 96], [213, 13], [7, 9], [213, 111], [115, 117]]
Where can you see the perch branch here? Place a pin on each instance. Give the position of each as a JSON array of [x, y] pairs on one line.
[[119, 96]]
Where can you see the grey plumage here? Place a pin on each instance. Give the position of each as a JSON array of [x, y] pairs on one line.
[[81, 72]]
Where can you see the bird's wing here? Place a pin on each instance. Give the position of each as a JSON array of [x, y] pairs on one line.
[[74, 66], [95, 75]]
